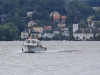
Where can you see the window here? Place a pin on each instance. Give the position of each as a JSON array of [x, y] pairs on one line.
[[33, 42], [28, 41]]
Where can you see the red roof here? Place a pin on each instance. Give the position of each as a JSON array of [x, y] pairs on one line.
[[47, 27], [63, 17], [57, 17]]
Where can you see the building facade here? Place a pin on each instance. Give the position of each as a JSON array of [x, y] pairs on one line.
[[83, 34], [75, 27]]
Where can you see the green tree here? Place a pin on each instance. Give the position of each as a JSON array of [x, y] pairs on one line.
[[1, 10], [78, 15], [97, 25], [0, 19], [83, 25], [51, 19], [8, 6], [10, 31], [46, 16], [69, 17], [98, 38], [35, 16], [1, 33]]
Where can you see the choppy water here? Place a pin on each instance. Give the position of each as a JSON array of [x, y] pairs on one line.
[[62, 58]]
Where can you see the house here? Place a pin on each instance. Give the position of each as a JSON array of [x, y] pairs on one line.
[[38, 29], [29, 14], [36, 34], [56, 32], [55, 13], [47, 27], [83, 34], [63, 19], [75, 27], [90, 23], [96, 8], [35, 31], [65, 32], [31, 23], [3, 16], [49, 35], [61, 26], [24, 35], [57, 18]]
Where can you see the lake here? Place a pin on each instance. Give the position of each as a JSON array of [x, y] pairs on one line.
[[61, 58]]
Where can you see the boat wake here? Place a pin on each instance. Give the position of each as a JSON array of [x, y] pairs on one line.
[[51, 51]]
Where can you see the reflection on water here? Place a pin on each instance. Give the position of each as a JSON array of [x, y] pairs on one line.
[[61, 58]]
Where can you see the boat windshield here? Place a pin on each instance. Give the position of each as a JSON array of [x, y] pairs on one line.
[[33, 42], [28, 41]]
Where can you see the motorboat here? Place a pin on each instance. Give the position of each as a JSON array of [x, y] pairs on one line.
[[32, 46]]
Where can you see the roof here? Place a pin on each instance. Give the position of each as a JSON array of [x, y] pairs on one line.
[[63, 17], [24, 32], [57, 17], [97, 31], [47, 27], [84, 31]]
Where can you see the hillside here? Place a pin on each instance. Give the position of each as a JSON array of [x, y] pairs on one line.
[[14, 12]]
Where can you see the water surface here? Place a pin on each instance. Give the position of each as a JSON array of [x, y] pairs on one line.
[[62, 58]]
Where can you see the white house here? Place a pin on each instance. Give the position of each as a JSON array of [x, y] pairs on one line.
[[56, 32], [49, 35], [66, 32], [83, 34], [31, 23], [75, 27], [29, 14], [24, 34]]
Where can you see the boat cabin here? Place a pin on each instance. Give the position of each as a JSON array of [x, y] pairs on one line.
[[32, 42]]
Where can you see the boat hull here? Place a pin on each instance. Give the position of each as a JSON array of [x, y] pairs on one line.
[[33, 49]]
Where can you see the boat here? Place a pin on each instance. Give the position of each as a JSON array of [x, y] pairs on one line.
[[32, 46]]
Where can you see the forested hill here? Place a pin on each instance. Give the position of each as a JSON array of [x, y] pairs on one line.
[[28, 5], [14, 13]]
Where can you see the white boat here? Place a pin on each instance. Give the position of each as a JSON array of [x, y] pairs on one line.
[[32, 46]]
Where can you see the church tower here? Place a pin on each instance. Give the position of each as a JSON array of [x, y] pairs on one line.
[[75, 27], [75, 24]]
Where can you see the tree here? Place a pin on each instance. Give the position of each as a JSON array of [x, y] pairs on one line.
[[0, 19], [69, 17], [11, 31], [84, 9], [78, 15], [93, 3], [21, 2], [46, 16], [35, 16], [2, 33], [22, 13], [1, 10], [98, 38], [97, 25], [52, 19], [83, 25], [8, 6]]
